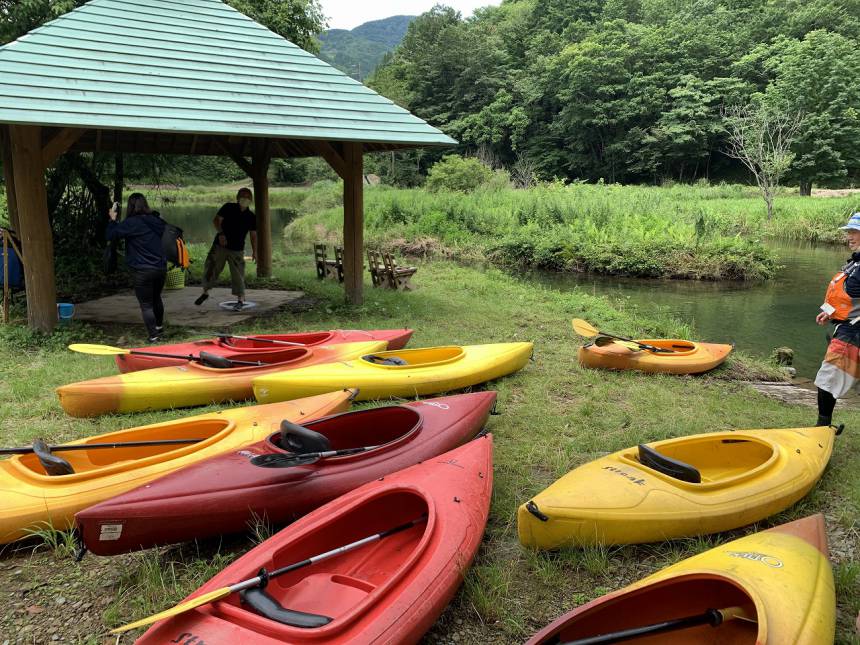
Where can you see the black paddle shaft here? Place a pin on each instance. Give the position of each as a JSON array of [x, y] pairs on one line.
[[192, 357], [711, 617], [90, 446]]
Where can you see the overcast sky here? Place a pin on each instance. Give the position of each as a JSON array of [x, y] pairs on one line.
[[346, 14]]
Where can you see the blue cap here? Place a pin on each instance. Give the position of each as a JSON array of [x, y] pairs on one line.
[[853, 223]]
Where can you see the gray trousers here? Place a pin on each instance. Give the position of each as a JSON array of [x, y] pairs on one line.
[[216, 259]]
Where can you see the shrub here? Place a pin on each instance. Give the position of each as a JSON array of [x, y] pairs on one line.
[[454, 173]]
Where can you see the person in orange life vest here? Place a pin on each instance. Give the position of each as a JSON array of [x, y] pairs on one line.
[[840, 369]]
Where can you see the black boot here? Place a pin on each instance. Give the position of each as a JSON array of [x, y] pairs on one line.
[[824, 421]]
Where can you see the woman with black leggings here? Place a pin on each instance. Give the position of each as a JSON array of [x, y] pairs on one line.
[[144, 253]]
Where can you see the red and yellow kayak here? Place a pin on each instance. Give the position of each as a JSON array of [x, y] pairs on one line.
[[31, 497], [780, 579], [685, 357], [195, 384], [236, 347]]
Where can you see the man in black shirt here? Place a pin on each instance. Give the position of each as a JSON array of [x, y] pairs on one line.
[[233, 222]]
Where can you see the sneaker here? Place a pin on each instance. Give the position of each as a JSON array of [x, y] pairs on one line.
[[238, 306], [154, 339], [159, 329], [201, 299]]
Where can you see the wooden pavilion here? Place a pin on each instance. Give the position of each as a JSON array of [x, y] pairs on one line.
[[189, 77]]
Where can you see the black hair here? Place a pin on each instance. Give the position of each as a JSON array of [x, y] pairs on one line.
[[137, 205]]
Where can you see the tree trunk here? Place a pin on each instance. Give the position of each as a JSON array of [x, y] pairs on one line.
[[805, 188], [769, 201]]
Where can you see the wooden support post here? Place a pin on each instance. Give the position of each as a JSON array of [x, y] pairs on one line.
[[35, 227], [353, 222], [9, 177], [5, 276], [260, 175]]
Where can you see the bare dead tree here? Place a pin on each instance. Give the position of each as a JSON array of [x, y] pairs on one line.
[[523, 172], [761, 138], [486, 156]]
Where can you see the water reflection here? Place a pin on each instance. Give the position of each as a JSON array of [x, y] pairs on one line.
[[196, 221], [756, 317]]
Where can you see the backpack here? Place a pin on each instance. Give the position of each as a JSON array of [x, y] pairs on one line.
[[174, 246]]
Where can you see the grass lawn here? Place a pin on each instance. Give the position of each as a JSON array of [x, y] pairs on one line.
[[554, 416]]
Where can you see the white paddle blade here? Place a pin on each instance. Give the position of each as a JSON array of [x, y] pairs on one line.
[[584, 328], [181, 608], [98, 350]]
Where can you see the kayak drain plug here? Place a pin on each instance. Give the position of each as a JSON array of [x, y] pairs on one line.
[[532, 508]]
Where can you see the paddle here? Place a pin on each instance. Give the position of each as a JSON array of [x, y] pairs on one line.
[[584, 328], [280, 460], [210, 360], [262, 578], [712, 617], [602, 341], [89, 446], [257, 339]]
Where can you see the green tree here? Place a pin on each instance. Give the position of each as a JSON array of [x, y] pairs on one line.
[[17, 17], [299, 21]]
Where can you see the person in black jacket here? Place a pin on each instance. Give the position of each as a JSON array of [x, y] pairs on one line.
[[144, 253]]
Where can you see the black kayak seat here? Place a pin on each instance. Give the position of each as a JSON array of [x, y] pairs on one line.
[[52, 464], [213, 360], [261, 602], [384, 360], [300, 439], [668, 466]]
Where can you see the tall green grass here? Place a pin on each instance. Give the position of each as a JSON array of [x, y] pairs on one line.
[[680, 232]]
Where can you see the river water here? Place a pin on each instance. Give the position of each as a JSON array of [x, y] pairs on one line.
[[196, 221], [755, 317]]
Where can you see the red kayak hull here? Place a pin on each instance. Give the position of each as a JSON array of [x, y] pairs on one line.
[[227, 494], [396, 338], [389, 591]]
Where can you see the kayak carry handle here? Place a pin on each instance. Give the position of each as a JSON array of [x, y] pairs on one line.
[[532, 508]]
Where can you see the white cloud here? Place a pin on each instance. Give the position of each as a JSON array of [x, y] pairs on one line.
[[347, 14]]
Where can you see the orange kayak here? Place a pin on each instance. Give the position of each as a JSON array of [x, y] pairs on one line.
[[195, 384], [685, 357]]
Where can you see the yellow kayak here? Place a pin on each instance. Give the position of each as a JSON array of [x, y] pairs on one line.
[[652, 493], [685, 357], [779, 581], [404, 373], [31, 497], [192, 384]]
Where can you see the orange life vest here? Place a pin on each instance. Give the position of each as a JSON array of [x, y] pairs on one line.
[[845, 307]]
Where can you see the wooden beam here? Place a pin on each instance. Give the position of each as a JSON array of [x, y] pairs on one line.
[[353, 222], [9, 177], [260, 168], [35, 228], [64, 139], [332, 156], [240, 161]]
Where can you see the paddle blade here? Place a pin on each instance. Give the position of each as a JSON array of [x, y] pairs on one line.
[[584, 328], [602, 341], [181, 608], [284, 461], [98, 350]]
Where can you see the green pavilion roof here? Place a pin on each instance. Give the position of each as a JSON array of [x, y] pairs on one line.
[[180, 69]]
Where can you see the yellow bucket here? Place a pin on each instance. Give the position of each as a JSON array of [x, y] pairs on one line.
[[175, 278]]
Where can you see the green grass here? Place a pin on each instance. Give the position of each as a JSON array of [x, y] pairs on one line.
[[554, 416]]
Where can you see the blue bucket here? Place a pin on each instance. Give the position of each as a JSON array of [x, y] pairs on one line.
[[65, 311]]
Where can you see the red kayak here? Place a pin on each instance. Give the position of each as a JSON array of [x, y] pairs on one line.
[[390, 590], [228, 493], [234, 347]]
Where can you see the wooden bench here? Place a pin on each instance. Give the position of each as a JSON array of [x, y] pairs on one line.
[[328, 268], [384, 272], [398, 277]]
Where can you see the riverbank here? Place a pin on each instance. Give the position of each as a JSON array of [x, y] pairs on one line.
[[554, 416]]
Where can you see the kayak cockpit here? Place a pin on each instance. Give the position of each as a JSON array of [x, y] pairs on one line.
[[412, 358], [347, 586], [384, 427], [681, 597], [722, 459], [279, 357], [315, 338], [100, 462]]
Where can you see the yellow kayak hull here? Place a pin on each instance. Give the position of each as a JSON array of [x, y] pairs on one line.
[[747, 475], [781, 579], [687, 357], [32, 498], [191, 384], [428, 370]]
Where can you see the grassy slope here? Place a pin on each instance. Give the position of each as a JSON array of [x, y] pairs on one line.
[[555, 416]]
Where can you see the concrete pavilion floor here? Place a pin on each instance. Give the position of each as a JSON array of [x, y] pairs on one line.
[[180, 310]]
